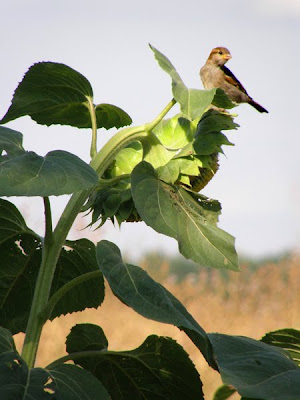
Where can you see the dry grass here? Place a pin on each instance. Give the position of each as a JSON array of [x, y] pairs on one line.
[[246, 303]]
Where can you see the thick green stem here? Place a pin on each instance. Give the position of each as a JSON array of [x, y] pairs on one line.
[[92, 111], [48, 219], [54, 242]]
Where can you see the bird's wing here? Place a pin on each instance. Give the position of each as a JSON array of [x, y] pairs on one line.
[[230, 78]]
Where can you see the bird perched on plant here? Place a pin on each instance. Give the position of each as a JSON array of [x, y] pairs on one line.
[[214, 74]]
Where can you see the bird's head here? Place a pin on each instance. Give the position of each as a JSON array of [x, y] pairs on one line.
[[219, 56]]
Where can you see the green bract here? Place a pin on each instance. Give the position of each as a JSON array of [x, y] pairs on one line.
[[183, 152]]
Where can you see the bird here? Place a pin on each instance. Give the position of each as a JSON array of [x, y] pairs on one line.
[[214, 74]]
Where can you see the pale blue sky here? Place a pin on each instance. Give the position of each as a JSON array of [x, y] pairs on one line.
[[258, 182]]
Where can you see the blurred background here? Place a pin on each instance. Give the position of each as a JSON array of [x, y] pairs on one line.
[[258, 181]]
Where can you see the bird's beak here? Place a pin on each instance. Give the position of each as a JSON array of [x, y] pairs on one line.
[[227, 56]]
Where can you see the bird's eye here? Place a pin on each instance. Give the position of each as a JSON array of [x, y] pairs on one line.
[[220, 52]]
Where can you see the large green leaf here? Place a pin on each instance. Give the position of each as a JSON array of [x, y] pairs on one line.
[[69, 382], [58, 173], [158, 369], [21, 252], [134, 287], [77, 259], [193, 102], [172, 211], [20, 262], [288, 339], [53, 93], [64, 382], [257, 370]]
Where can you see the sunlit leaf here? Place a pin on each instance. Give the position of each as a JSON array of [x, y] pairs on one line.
[[172, 211], [53, 93], [193, 102]]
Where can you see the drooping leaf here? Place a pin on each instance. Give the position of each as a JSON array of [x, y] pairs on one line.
[[257, 370], [53, 93], [58, 173], [77, 259], [110, 116], [210, 143], [158, 369], [214, 121], [193, 102], [288, 339], [172, 211], [134, 287]]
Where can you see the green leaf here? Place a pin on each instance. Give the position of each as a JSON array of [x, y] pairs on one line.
[[126, 159], [21, 252], [224, 392], [158, 369], [6, 341], [110, 116], [69, 382], [77, 259], [172, 211], [10, 142], [12, 222], [214, 121], [176, 132], [257, 370], [193, 102], [65, 382], [47, 90], [13, 378], [210, 143], [53, 93], [20, 262], [287, 339], [154, 152], [134, 287], [85, 337], [58, 173]]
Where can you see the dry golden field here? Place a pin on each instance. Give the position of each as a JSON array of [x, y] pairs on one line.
[[246, 303]]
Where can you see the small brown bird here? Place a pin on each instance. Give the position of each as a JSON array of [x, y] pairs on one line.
[[214, 74]]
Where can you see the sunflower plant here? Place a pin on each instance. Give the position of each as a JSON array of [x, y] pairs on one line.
[[153, 173]]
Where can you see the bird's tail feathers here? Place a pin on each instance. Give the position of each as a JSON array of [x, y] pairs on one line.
[[257, 106]]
